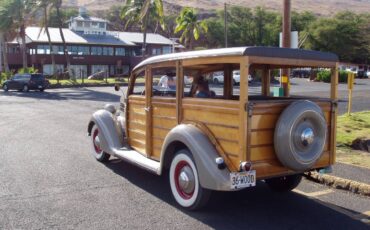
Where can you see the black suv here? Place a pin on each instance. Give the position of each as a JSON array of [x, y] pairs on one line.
[[25, 82]]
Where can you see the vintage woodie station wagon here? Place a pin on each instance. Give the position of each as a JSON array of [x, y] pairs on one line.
[[219, 137]]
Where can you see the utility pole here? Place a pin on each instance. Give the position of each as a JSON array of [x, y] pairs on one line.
[[225, 17], [1, 53], [286, 44]]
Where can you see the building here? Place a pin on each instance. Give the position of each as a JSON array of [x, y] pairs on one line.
[[91, 48]]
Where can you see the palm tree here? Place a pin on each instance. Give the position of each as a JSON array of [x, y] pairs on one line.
[[19, 11], [6, 30], [45, 5], [142, 11], [190, 26], [57, 4]]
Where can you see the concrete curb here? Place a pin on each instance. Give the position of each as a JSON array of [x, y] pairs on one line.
[[339, 183], [56, 86]]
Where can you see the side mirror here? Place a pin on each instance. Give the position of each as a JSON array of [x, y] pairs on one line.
[[116, 87]]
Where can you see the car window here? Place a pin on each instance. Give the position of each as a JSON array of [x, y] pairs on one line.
[[37, 77], [25, 77], [209, 81], [139, 83], [164, 81]]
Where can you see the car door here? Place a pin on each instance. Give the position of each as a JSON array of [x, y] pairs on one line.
[[137, 112], [12, 84]]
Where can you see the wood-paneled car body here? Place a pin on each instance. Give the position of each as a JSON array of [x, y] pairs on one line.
[[220, 137]]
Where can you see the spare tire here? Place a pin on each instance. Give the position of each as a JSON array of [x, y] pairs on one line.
[[300, 135]]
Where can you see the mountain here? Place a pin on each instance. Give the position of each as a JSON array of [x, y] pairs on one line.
[[319, 7]]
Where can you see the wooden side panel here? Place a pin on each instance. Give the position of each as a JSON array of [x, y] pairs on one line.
[[137, 123], [164, 119], [261, 149], [222, 120]]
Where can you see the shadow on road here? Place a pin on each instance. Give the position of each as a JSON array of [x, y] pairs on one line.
[[67, 94], [255, 208]]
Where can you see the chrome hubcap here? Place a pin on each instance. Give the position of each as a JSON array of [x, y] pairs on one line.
[[186, 180], [307, 136], [97, 142]]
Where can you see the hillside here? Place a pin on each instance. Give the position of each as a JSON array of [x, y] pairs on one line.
[[320, 7]]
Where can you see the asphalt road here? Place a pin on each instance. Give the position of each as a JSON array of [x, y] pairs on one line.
[[49, 180]]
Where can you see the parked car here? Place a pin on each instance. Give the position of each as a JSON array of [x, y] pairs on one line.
[[26, 82], [225, 141], [218, 77]]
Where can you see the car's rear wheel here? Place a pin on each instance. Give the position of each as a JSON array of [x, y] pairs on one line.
[[285, 183], [5, 87], [25, 88], [42, 90], [184, 182], [98, 153]]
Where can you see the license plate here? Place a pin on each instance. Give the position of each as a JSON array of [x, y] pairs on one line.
[[243, 179], [40, 86]]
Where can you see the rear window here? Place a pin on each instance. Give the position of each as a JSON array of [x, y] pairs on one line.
[[25, 77], [37, 77]]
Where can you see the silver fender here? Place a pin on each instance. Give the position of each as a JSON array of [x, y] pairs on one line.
[[111, 137], [204, 154]]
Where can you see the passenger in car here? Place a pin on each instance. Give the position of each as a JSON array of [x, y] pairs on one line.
[[203, 89], [168, 81]]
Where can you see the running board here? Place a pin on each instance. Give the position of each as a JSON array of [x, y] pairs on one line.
[[138, 159]]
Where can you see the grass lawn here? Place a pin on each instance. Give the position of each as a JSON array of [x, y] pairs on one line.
[[348, 129], [86, 81]]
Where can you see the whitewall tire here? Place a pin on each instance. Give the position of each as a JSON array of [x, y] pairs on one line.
[[184, 182], [97, 152]]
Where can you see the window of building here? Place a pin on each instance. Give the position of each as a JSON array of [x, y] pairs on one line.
[[166, 49], [78, 71], [43, 49], [108, 51], [79, 24], [48, 69], [83, 50], [120, 52], [137, 52], [102, 25], [101, 69], [96, 50], [156, 51]]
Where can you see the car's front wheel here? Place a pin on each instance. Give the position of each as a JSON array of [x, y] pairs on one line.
[[285, 183], [98, 153], [5, 87], [184, 182], [42, 89]]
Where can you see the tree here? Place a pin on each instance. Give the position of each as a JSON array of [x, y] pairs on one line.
[[143, 11], [19, 11], [45, 5], [57, 4], [343, 34], [190, 26], [6, 26]]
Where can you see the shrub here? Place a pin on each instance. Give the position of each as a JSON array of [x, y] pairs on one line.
[[5, 76], [325, 75], [343, 76], [28, 70]]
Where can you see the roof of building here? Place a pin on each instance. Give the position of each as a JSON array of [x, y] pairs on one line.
[[150, 38], [277, 52], [37, 34], [88, 18]]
